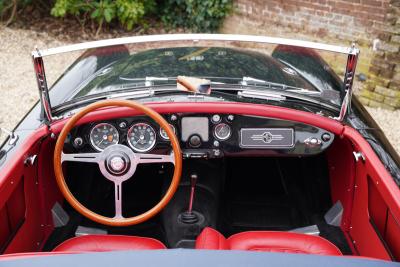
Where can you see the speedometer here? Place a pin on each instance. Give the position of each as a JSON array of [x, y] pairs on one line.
[[103, 135], [141, 137]]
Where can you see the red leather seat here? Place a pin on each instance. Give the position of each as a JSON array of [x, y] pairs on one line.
[[99, 243], [267, 241]]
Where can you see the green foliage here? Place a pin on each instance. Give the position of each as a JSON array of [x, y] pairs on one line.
[[197, 15], [126, 12]]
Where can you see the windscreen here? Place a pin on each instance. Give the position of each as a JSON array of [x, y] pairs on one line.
[[123, 67]]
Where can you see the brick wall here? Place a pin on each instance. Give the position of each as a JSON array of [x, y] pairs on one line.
[[341, 22]]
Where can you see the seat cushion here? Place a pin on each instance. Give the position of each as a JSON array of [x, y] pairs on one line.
[[98, 243], [267, 241]]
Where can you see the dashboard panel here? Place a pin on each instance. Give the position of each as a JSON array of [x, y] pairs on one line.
[[205, 136]]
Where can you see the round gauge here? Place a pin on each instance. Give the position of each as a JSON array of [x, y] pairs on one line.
[[103, 135], [163, 133], [141, 137], [222, 131]]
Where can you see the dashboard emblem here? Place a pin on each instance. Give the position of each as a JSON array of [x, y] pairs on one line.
[[266, 137]]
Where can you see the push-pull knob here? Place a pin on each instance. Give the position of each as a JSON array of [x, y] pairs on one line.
[[195, 141]]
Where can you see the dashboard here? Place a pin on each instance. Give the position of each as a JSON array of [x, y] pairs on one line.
[[204, 136]]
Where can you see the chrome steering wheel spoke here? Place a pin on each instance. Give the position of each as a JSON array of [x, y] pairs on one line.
[[81, 157], [118, 200], [155, 158]]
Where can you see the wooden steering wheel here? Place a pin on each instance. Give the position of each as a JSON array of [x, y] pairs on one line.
[[117, 163]]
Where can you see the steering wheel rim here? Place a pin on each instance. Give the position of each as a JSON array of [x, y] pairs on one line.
[[58, 153]]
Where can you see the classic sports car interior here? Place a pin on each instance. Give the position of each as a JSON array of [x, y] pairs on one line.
[[120, 174]]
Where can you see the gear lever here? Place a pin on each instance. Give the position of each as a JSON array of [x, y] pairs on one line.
[[189, 216]]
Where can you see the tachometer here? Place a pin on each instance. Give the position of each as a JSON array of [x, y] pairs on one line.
[[141, 137], [103, 135]]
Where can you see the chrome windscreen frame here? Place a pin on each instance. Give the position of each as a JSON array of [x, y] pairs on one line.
[[37, 56]]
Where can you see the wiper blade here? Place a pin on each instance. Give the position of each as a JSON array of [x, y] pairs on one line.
[[261, 95], [272, 85], [148, 81]]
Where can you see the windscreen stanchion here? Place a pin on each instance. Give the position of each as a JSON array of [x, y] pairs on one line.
[[42, 85], [348, 82]]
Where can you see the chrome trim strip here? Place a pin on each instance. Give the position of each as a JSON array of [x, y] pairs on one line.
[[194, 38]]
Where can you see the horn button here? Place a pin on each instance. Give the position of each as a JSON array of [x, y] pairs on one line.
[[118, 163]]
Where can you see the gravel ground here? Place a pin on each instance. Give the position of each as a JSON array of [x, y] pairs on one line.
[[19, 90]]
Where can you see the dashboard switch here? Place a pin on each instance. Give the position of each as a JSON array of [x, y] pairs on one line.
[[122, 125], [326, 137], [217, 152], [78, 142], [216, 118], [312, 141]]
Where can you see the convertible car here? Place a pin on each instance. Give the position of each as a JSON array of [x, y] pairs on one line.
[[199, 149]]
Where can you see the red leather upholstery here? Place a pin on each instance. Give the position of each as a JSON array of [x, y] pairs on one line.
[[98, 243], [267, 241], [211, 239]]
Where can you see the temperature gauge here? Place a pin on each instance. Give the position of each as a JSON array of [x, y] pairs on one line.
[[163, 133]]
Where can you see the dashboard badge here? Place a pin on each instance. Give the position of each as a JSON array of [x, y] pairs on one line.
[[266, 137]]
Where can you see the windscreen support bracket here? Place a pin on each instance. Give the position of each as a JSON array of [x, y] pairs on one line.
[[348, 82], [42, 85]]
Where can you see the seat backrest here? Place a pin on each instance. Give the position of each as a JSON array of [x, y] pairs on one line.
[[269, 241]]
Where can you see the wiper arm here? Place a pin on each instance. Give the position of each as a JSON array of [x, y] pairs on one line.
[[148, 81], [253, 81], [261, 95]]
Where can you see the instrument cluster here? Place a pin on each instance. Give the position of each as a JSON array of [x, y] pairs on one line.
[[205, 136]]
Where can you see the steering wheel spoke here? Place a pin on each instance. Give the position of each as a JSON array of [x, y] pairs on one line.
[[81, 157], [118, 200], [155, 158]]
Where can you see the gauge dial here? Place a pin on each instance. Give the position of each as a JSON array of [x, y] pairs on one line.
[[141, 137], [103, 135], [163, 133], [222, 131]]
